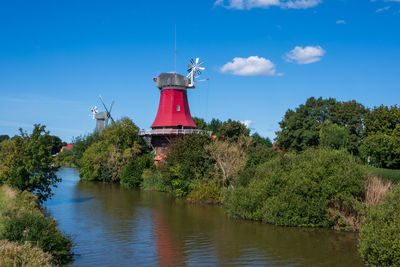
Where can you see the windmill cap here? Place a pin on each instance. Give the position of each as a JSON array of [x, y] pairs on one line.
[[172, 80]]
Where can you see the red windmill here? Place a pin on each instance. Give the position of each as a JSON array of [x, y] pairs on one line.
[[173, 116]]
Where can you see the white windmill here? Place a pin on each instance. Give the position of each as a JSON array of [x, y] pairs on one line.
[[94, 111], [194, 70]]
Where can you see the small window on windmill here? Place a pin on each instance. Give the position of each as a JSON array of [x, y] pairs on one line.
[[178, 108]]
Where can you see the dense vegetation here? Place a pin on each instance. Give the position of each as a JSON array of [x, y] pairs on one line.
[[380, 232], [29, 237], [315, 174], [26, 162]]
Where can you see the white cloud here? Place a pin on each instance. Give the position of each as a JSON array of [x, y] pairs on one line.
[[341, 21], [382, 9], [306, 55], [249, 4], [250, 66], [247, 123]]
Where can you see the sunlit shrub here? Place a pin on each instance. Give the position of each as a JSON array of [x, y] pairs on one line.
[[379, 242], [14, 254], [207, 192], [298, 190], [39, 230]]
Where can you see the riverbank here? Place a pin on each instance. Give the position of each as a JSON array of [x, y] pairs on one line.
[[27, 236]]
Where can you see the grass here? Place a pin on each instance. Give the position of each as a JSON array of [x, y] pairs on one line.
[[386, 174], [2, 206]]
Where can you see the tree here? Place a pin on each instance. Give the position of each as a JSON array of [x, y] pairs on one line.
[[187, 162], [230, 158], [56, 144], [4, 137], [383, 150], [300, 127], [200, 123], [26, 162], [231, 130], [384, 120], [334, 136]]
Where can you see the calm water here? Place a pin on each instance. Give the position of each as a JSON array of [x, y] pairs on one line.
[[113, 226]]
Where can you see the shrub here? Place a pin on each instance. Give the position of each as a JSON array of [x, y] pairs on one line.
[[131, 175], [187, 162], [379, 242], [298, 190], [152, 180], [207, 192], [38, 230], [13, 254]]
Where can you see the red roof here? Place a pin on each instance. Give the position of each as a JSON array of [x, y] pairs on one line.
[[69, 147], [173, 110]]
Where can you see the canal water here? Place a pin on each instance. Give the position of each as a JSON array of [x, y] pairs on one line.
[[115, 226]]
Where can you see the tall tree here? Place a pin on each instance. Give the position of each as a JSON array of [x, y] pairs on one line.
[[26, 162]]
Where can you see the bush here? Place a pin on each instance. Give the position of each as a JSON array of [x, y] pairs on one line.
[[207, 192], [379, 242], [13, 254], [38, 230], [152, 180], [187, 162], [315, 188], [131, 175]]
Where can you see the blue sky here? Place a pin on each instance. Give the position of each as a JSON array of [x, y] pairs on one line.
[[262, 58]]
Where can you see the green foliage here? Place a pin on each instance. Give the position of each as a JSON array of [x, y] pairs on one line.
[[14, 254], [383, 120], [38, 230], [56, 144], [299, 189], [300, 128], [118, 150], [131, 175], [200, 123], [379, 242], [383, 150], [334, 136], [187, 161], [231, 130], [66, 158], [4, 137], [262, 141], [26, 162], [207, 192], [386, 174], [81, 143], [152, 180]]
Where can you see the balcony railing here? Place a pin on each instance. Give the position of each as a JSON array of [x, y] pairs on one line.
[[172, 132]]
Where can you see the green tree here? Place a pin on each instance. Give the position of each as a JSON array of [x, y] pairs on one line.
[[26, 162], [334, 136], [383, 119], [231, 130], [56, 144], [4, 137], [383, 150], [200, 123], [300, 128], [187, 162]]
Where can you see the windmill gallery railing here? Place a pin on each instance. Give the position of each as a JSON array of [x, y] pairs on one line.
[[172, 132]]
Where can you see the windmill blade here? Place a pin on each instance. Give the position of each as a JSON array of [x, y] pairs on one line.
[[202, 68], [101, 99], [201, 63], [198, 72], [189, 70], [197, 60], [112, 104], [192, 61]]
